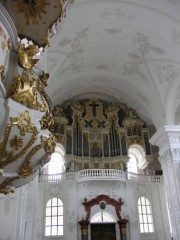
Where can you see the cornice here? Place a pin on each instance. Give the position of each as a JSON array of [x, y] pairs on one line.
[[167, 138], [9, 26]]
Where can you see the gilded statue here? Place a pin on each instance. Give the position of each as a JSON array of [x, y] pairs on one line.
[[23, 90], [26, 54]]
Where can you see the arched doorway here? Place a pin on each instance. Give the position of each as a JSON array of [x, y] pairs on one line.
[[103, 226], [106, 229]]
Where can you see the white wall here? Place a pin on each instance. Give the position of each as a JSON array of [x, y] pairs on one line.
[[22, 213]]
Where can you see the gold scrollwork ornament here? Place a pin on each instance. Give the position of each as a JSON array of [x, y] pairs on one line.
[[49, 143], [6, 185]]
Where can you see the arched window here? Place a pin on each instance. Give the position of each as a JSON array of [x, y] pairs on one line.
[[132, 164], [55, 164], [102, 216], [137, 161], [145, 215], [54, 217]]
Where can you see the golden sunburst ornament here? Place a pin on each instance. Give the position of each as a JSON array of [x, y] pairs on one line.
[[32, 9]]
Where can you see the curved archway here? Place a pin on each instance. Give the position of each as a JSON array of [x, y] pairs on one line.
[[139, 155]]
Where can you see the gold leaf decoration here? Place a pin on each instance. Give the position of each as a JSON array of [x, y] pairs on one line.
[[49, 144], [6, 185], [26, 170], [16, 142], [27, 90], [26, 54], [24, 125]]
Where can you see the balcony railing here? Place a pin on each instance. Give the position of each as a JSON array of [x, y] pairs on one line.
[[98, 174], [144, 178]]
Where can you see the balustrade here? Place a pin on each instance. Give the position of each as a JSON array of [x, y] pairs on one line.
[[99, 174]]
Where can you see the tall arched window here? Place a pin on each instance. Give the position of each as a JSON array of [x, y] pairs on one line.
[[132, 164], [55, 164], [54, 217], [137, 161], [145, 215]]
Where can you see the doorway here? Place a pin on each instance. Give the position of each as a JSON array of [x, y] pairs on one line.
[[103, 231]]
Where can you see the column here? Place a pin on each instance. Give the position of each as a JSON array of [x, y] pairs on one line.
[[167, 139], [122, 228], [84, 229]]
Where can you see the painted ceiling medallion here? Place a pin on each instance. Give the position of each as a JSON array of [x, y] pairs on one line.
[[34, 19], [32, 9]]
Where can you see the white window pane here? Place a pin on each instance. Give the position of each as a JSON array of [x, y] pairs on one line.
[[149, 218], [60, 230], [54, 220], [151, 228], [47, 231], [132, 164], [144, 209], [48, 211], [48, 221], [142, 200], [48, 203], [55, 164], [139, 209], [60, 220], [107, 217], [60, 203], [60, 211], [141, 228], [54, 211], [54, 231], [140, 218], [146, 228], [54, 202], [147, 202], [148, 209], [144, 218]]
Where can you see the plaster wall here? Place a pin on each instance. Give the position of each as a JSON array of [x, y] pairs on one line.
[[24, 211], [8, 214]]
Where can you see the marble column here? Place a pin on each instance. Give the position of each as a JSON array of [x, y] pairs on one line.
[[167, 139]]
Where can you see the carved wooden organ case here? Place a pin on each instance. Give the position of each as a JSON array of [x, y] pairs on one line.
[[97, 134]]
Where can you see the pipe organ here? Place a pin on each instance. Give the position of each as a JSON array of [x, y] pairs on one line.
[[96, 134]]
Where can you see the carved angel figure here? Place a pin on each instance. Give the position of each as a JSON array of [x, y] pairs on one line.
[[26, 54]]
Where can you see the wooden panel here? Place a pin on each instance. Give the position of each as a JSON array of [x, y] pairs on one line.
[[106, 231]]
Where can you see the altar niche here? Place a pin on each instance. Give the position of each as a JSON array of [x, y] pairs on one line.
[[102, 231]]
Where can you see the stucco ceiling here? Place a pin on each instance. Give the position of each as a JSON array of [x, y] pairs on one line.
[[118, 50], [127, 51]]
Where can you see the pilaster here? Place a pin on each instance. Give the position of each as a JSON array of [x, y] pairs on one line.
[[167, 138]]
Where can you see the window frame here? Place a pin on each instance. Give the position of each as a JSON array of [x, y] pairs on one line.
[[146, 222], [56, 212], [102, 216]]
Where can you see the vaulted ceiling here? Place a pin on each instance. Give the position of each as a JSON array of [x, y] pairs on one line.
[[125, 51]]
